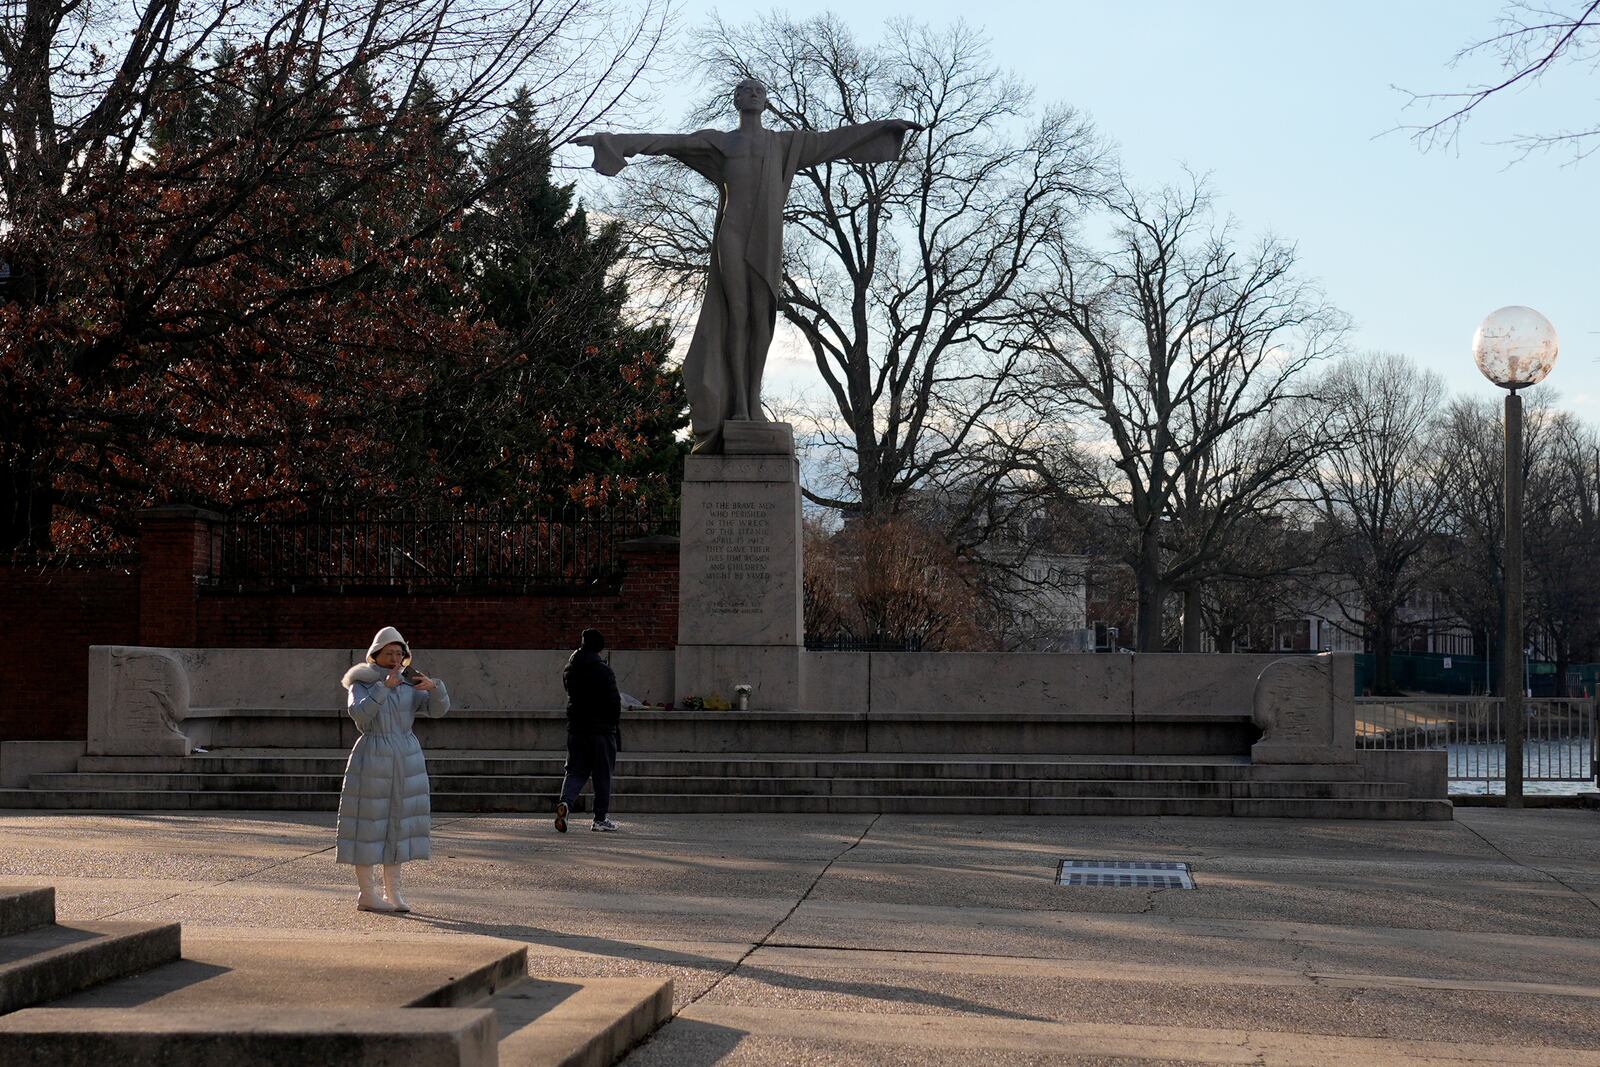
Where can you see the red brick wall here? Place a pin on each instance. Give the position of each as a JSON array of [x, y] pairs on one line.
[[48, 620], [643, 615], [173, 547]]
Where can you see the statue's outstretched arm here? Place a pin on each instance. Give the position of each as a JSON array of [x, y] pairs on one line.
[[611, 150], [866, 142]]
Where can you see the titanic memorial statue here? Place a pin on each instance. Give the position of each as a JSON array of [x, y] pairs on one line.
[[740, 568], [752, 168]]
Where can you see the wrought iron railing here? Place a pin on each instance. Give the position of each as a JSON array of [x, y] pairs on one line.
[[45, 562], [868, 643], [1559, 743], [553, 551]]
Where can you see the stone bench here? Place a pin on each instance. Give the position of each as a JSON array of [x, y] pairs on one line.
[[148, 701]]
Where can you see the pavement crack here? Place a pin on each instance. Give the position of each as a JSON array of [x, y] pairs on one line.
[[1580, 894], [241, 876], [766, 938]]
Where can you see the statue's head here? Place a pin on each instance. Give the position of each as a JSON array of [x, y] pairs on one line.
[[750, 95]]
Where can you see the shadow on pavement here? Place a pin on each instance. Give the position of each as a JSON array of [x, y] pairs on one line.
[[601, 946]]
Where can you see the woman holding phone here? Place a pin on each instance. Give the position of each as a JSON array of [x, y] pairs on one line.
[[384, 809]]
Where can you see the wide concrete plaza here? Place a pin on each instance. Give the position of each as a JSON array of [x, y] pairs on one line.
[[935, 940]]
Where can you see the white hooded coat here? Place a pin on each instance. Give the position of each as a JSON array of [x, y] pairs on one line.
[[384, 810]]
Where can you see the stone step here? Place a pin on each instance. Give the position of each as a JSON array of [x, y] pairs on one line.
[[224, 967], [190, 783], [708, 803], [48, 962], [549, 785], [585, 1022], [249, 1036], [798, 732], [162, 800], [242, 1001], [549, 1023], [736, 765], [24, 907], [1322, 808], [474, 984]]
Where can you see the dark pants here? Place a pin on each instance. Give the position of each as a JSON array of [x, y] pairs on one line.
[[590, 756]]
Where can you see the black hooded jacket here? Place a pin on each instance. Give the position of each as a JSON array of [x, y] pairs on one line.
[[594, 706]]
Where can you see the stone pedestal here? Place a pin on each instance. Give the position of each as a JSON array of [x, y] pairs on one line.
[[739, 603], [137, 698], [1305, 707]]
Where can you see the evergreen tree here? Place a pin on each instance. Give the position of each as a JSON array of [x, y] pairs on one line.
[[579, 406]]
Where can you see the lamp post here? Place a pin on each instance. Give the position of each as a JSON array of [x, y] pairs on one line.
[[1514, 347]]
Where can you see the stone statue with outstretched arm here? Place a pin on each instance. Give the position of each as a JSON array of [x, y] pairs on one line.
[[752, 168]]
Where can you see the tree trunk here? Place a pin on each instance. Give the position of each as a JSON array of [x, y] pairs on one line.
[[1563, 660], [1382, 655], [1223, 637], [1503, 683], [869, 461], [1151, 594], [1193, 628], [1491, 644]]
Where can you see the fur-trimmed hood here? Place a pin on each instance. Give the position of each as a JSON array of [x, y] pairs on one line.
[[365, 673], [369, 672]]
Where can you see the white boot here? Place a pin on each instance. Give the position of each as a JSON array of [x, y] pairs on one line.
[[391, 886], [370, 899]]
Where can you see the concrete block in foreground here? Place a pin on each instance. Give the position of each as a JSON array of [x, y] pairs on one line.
[[23, 907], [587, 1022], [42, 964], [249, 1037]]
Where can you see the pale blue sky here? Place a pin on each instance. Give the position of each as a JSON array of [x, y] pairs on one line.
[[1284, 104]]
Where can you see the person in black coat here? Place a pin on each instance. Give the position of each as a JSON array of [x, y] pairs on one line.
[[594, 727]]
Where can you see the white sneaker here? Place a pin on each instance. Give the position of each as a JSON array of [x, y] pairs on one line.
[[604, 825]]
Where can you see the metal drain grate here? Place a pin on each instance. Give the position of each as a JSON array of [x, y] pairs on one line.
[[1125, 874]]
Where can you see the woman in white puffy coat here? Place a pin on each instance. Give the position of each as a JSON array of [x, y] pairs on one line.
[[384, 815]]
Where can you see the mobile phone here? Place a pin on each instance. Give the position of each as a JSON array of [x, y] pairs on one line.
[[411, 675]]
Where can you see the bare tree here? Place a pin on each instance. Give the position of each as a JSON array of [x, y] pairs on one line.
[[892, 580], [1472, 578], [1257, 582], [1186, 345], [1563, 530], [1559, 520], [1382, 495], [901, 279], [1239, 490], [1529, 41]]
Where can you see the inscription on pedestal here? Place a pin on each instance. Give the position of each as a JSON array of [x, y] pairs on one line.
[[739, 566], [738, 555]]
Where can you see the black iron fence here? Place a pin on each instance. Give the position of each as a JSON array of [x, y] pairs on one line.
[[868, 643], [48, 562], [436, 552]]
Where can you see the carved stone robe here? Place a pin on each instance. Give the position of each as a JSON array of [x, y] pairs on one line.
[[752, 171]]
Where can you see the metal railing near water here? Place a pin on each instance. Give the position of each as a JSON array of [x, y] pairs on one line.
[[441, 551], [1559, 745]]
